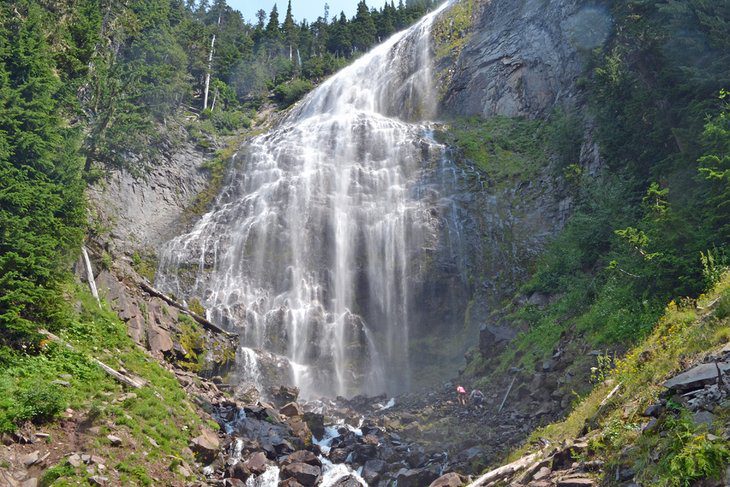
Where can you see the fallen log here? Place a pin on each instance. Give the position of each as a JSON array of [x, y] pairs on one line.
[[135, 382], [204, 322], [505, 470]]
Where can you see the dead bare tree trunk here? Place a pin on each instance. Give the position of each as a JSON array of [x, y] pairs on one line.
[[505, 470], [204, 322], [507, 394], [90, 275], [210, 67]]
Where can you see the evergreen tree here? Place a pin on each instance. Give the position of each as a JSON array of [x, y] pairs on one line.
[[41, 192], [291, 34], [363, 28]]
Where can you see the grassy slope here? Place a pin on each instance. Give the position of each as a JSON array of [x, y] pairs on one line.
[[156, 422], [678, 451]]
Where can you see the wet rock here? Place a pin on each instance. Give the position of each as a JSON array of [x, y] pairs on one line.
[[256, 464], [451, 479], [416, 457], [247, 395], [364, 452], [302, 456], [238, 471], [372, 470], [206, 445], [315, 421], [348, 481], [291, 409], [284, 395], [305, 474], [415, 477], [338, 455], [301, 431]]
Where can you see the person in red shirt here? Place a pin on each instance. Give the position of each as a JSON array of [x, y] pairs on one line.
[[461, 395]]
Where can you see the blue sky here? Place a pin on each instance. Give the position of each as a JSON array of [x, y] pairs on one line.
[[301, 9]]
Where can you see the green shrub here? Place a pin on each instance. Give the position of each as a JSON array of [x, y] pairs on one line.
[[227, 122], [723, 305], [290, 92], [56, 472]]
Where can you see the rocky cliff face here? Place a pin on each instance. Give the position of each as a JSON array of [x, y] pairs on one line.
[[515, 58], [523, 57], [145, 211]]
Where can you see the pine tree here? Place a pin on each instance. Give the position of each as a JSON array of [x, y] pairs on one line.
[[291, 35], [363, 28], [41, 195]]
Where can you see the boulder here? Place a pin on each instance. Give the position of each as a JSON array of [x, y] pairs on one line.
[[284, 395], [239, 471], [415, 477], [206, 445], [256, 464], [372, 470], [302, 456], [565, 457], [315, 421], [696, 377], [451, 479], [338, 455], [31, 458], [75, 460], [115, 440], [348, 481], [290, 482], [305, 474], [301, 430], [291, 409]]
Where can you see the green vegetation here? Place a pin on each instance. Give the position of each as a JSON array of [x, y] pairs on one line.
[[145, 265], [41, 199], [191, 340], [450, 33], [515, 149], [38, 386], [677, 451]]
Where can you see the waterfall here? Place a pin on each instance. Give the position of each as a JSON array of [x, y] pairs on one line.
[[313, 249]]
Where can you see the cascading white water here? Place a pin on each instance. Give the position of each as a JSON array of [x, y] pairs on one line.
[[311, 248]]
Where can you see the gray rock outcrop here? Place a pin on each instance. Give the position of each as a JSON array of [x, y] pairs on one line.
[[524, 57]]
